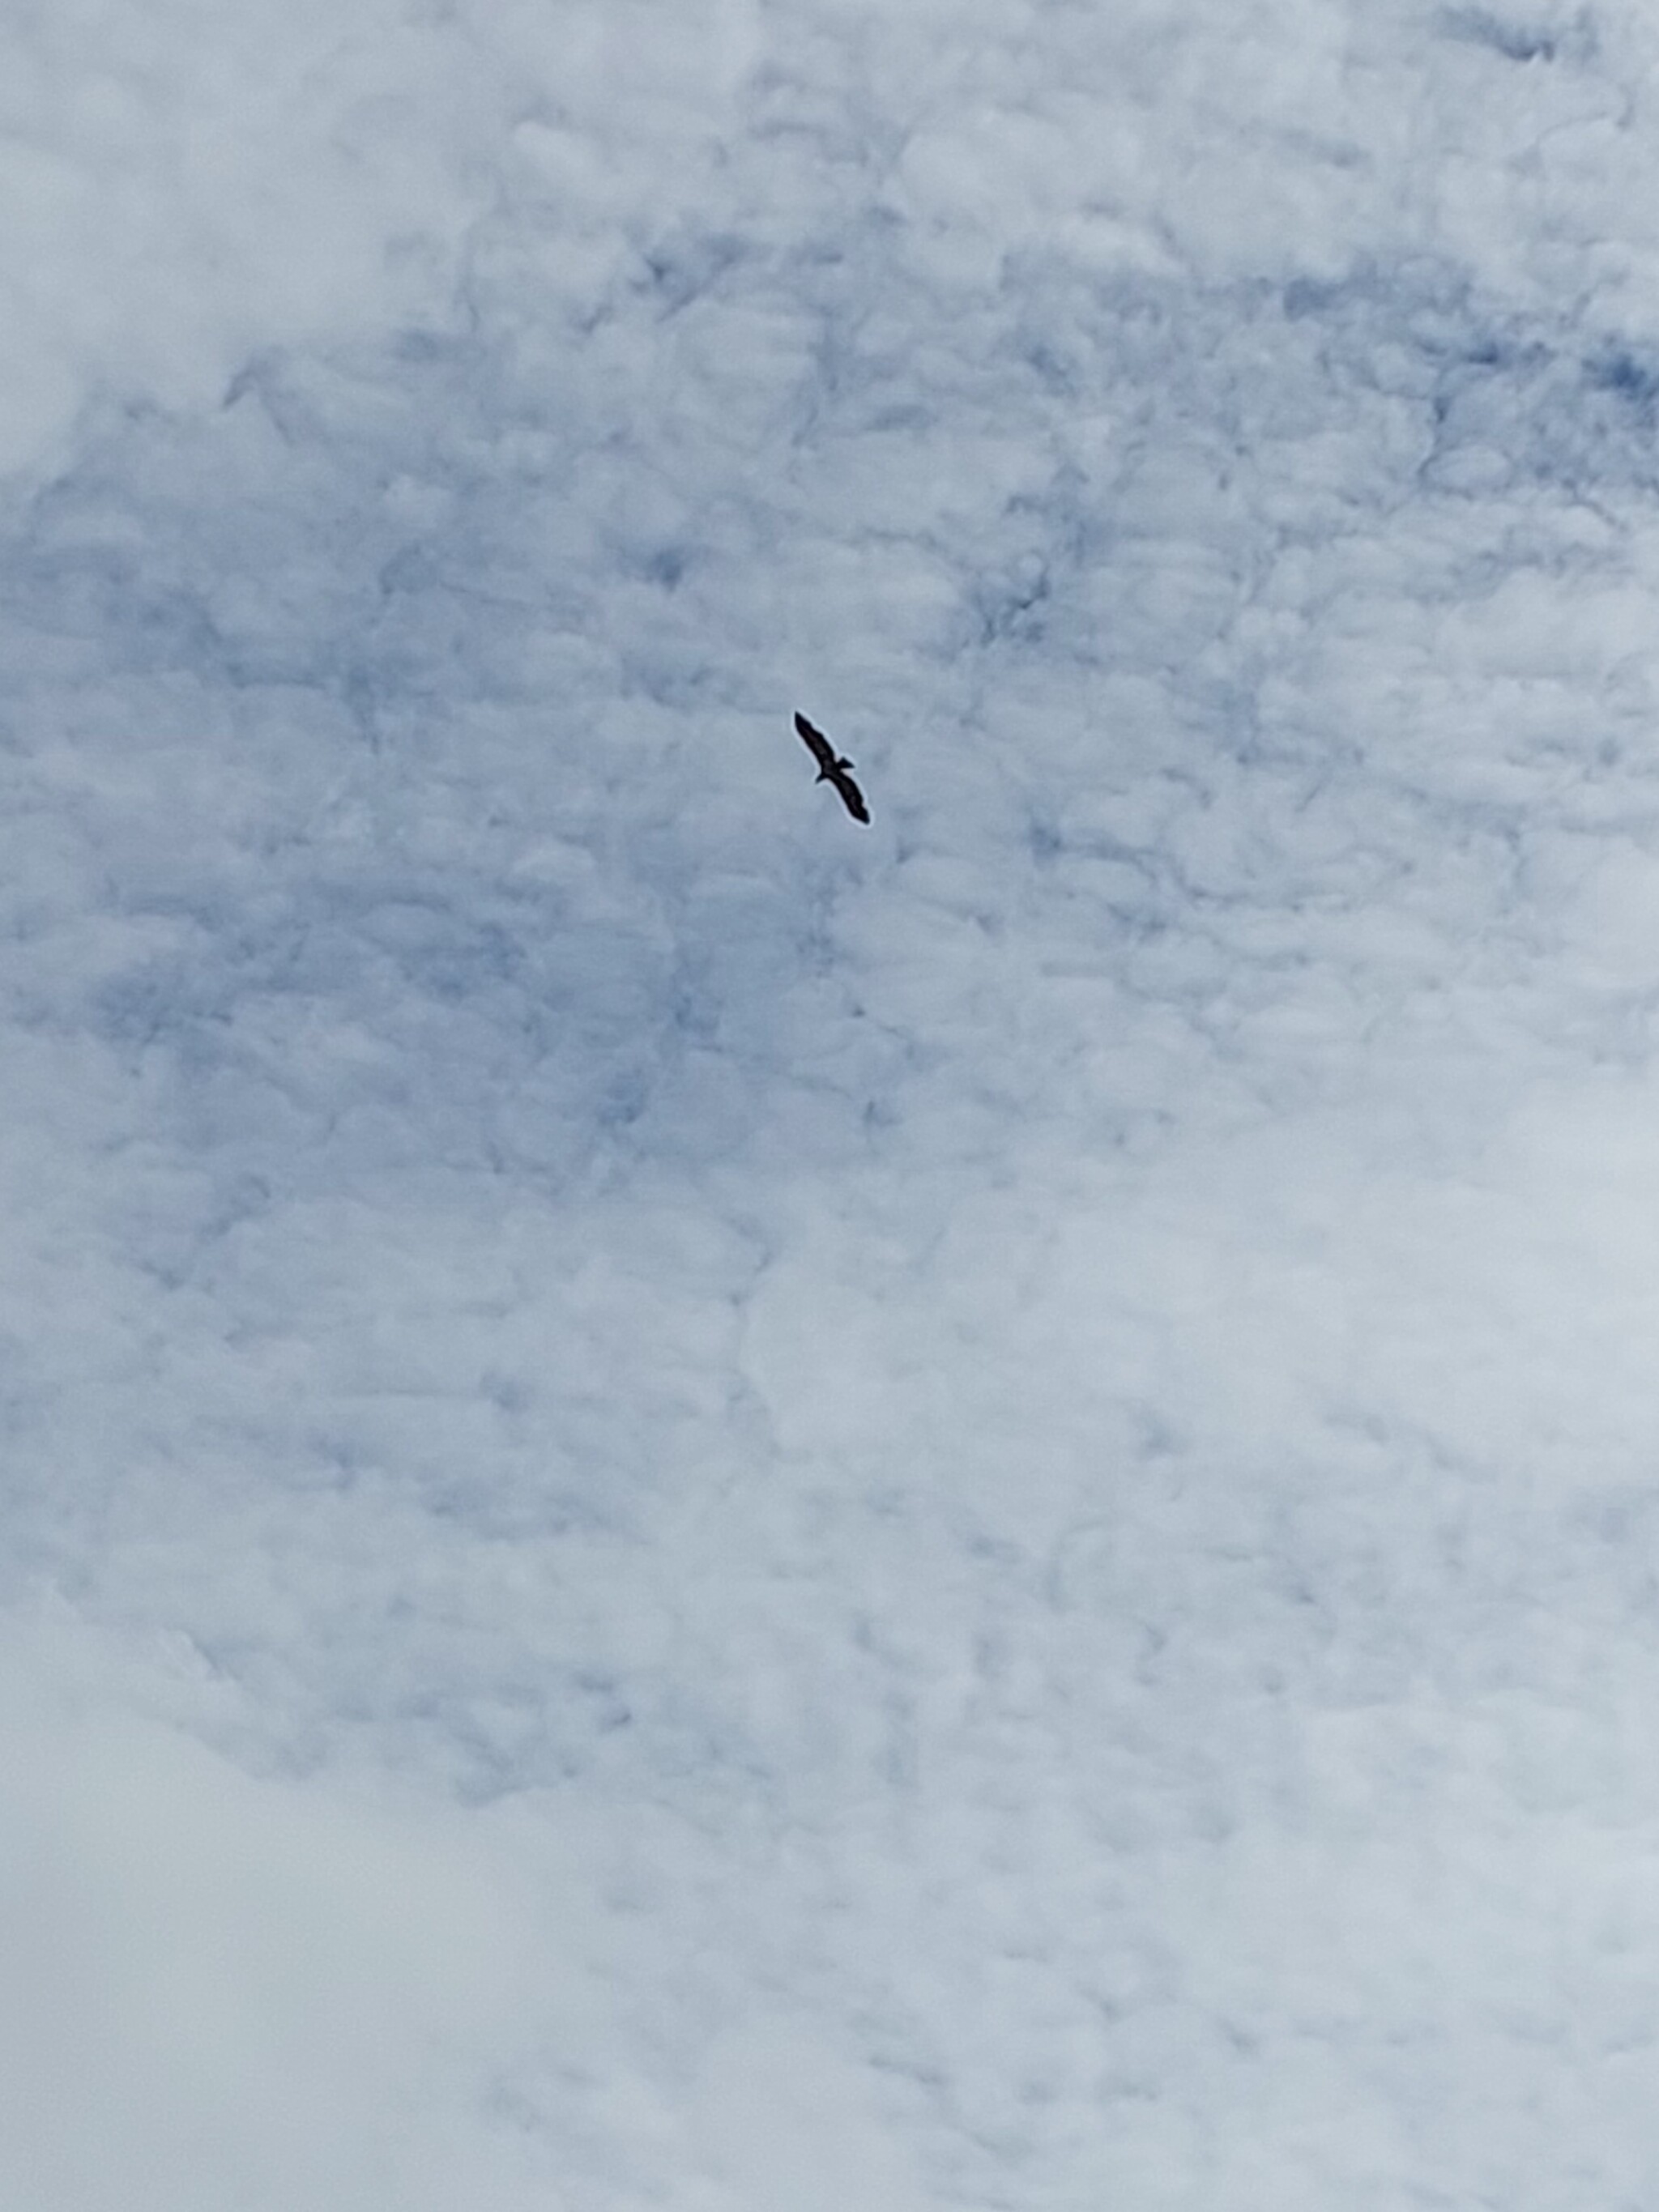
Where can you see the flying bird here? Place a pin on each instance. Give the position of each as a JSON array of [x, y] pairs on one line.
[[833, 768]]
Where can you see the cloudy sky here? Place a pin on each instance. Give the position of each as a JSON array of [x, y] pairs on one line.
[[708, 1510]]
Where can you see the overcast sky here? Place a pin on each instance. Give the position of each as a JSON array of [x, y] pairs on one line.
[[712, 1510]]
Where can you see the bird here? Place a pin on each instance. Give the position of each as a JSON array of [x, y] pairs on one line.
[[833, 768]]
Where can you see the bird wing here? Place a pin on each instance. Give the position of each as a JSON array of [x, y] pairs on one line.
[[817, 744], [850, 792]]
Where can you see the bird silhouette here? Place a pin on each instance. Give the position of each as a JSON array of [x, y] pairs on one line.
[[833, 768]]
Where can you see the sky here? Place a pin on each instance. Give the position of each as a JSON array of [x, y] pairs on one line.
[[705, 1508]]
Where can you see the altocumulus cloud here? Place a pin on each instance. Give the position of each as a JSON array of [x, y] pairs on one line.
[[703, 1506]]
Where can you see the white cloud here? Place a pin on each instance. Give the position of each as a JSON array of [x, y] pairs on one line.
[[732, 1507]]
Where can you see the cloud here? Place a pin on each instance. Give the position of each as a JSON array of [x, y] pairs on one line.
[[702, 1505]]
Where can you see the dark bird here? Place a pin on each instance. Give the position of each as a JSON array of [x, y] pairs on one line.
[[833, 768]]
